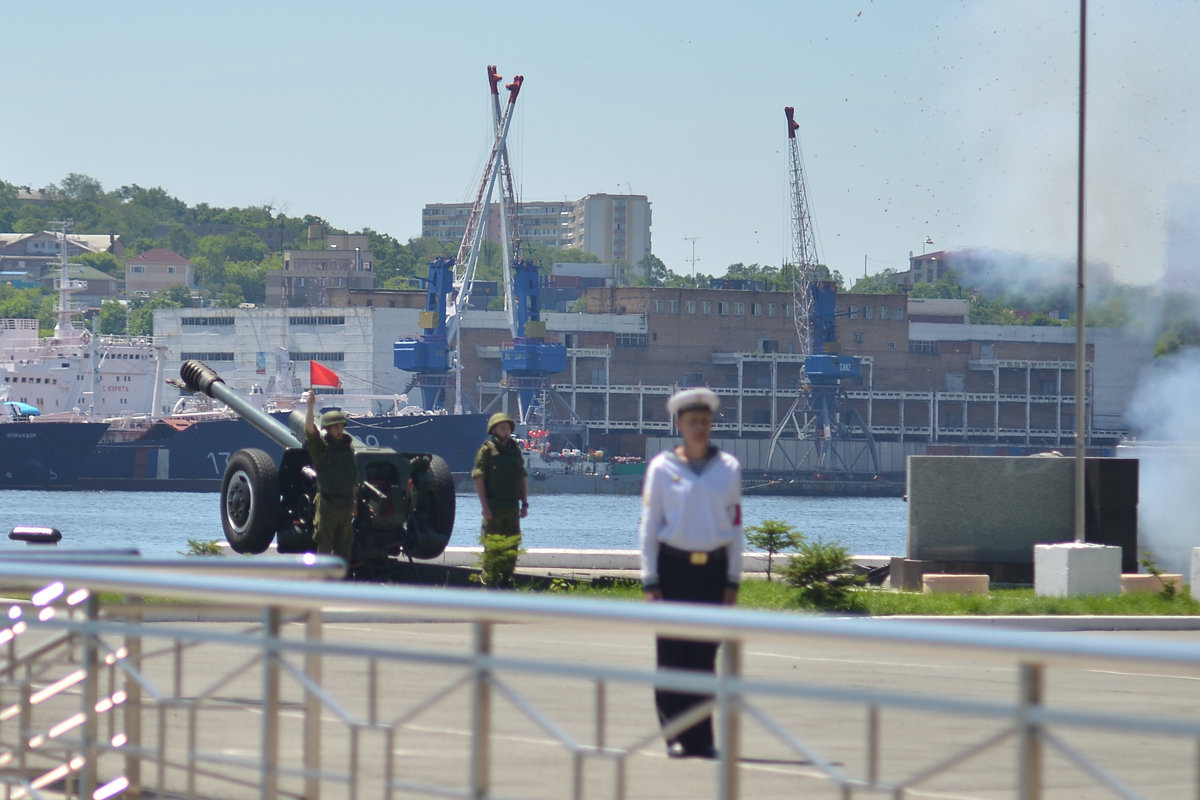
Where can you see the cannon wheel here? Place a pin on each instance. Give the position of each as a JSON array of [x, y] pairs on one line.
[[429, 527], [250, 501], [441, 496]]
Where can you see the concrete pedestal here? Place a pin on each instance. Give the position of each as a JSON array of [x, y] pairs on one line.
[[1195, 573], [941, 583], [1145, 583], [1071, 569]]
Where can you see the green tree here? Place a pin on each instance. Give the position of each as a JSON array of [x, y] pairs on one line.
[[113, 317], [824, 575], [774, 536], [879, 283], [105, 262]]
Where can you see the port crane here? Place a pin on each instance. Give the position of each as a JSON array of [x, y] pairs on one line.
[[531, 356], [437, 351], [821, 414]]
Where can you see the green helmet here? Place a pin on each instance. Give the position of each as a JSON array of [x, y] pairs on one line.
[[499, 417], [334, 417]]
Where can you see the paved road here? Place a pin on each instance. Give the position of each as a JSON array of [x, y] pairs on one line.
[[431, 747]]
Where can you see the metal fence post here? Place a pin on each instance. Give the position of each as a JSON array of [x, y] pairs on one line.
[[1029, 740], [481, 711], [312, 708], [729, 719], [270, 726], [133, 697], [91, 683]]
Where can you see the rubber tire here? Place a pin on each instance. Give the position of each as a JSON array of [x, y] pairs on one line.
[[442, 509], [427, 531], [250, 501]]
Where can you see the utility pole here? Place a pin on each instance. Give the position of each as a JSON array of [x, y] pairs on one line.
[[693, 259]]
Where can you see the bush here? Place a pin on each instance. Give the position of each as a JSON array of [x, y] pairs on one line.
[[498, 561], [825, 576], [774, 536]]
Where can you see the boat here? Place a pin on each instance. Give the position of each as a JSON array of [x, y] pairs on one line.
[[41, 455], [189, 453], [575, 471]]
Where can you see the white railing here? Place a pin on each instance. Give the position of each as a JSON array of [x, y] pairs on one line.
[[273, 696]]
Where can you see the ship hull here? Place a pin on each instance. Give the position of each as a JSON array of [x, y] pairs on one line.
[[180, 455], [45, 455]]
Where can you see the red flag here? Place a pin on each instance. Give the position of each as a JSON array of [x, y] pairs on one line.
[[321, 376]]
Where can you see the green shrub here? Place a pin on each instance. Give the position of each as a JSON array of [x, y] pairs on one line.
[[773, 536], [195, 547], [498, 561], [824, 575]]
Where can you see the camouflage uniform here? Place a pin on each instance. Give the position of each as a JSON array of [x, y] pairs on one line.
[[502, 468], [337, 475]]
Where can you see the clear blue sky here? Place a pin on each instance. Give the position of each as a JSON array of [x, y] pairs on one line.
[[953, 120]]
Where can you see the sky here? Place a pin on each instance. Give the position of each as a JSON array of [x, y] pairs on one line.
[[956, 121]]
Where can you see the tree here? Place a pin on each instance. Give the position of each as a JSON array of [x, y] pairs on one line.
[[773, 536], [105, 262], [879, 283], [113, 317]]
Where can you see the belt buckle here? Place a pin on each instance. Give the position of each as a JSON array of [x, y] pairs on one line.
[[697, 559]]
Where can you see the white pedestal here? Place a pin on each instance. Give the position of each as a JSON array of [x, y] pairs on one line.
[[1195, 573], [1073, 569]]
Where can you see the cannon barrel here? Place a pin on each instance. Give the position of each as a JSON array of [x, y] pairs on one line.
[[199, 377]]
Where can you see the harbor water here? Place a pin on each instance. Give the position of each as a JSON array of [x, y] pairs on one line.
[[159, 524]]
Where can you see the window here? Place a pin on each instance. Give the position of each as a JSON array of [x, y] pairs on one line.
[[884, 312], [206, 356], [772, 310], [672, 306], [300, 355], [705, 306], [722, 308], [739, 309], [316, 320], [137, 270], [768, 345], [853, 312], [787, 311], [658, 306], [631, 340], [891, 345], [756, 309], [858, 338], [923, 347], [899, 313], [205, 321], [690, 306], [868, 312], [170, 270]]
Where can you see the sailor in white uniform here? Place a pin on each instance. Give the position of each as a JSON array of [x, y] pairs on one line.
[[691, 545]]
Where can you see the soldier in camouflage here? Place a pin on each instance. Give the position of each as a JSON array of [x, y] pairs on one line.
[[332, 454], [499, 475]]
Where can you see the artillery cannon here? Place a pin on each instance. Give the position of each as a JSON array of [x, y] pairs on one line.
[[405, 500]]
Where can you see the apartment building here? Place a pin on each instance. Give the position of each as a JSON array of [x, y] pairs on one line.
[[610, 226]]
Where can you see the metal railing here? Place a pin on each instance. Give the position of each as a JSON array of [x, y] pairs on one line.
[[104, 693]]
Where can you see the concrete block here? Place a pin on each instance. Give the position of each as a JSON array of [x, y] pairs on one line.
[[1139, 583], [1071, 569], [994, 509], [943, 583]]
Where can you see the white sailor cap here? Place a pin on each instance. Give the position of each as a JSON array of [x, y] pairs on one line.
[[691, 399]]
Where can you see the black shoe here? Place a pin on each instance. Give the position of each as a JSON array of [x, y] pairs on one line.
[[707, 752]]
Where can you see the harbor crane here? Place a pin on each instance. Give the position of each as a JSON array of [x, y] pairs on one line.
[[821, 414], [437, 350], [530, 357]]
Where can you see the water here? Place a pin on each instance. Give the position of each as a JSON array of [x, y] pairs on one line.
[[159, 524]]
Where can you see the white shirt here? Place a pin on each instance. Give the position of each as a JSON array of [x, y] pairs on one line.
[[691, 512]]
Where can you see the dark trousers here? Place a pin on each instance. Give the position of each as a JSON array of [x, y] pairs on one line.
[[682, 581]]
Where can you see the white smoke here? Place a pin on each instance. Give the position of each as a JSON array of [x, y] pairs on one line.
[[1163, 415]]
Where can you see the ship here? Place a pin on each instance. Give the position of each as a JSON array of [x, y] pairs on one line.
[[182, 453], [41, 455]]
